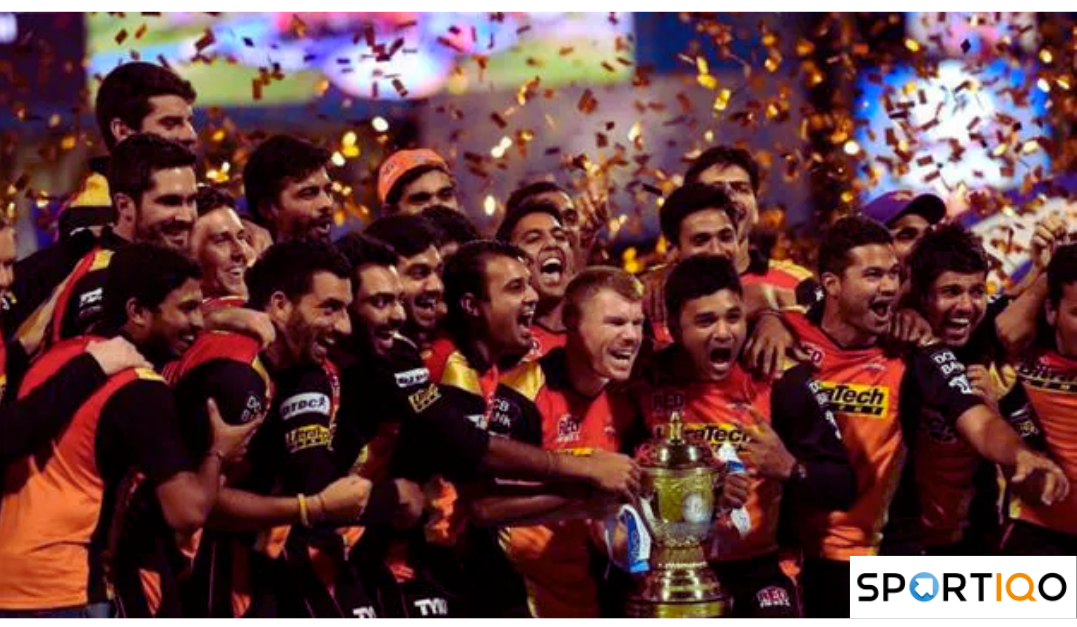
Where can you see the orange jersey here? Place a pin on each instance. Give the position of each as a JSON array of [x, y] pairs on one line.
[[715, 411], [537, 404], [862, 388], [543, 341], [1050, 381]]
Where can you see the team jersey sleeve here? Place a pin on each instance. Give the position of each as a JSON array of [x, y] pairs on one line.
[[1016, 409], [237, 389], [142, 417], [802, 418], [30, 422], [940, 378], [438, 438], [303, 424]]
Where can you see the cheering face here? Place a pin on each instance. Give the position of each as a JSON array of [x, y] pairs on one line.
[[956, 304], [222, 247], [432, 188], [611, 329], [167, 210], [379, 306], [1063, 318], [304, 209], [175, 324], [907, 231], [547, 245], [509, 307], [708, 232], [736, 182], [423, 289], [570, 216], [713, 330], [867, 291], [318, 320]]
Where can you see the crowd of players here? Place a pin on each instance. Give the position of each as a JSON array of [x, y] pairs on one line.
[[216, 413]]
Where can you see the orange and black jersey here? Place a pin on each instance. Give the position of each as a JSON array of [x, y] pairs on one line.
[[865, 389], [717, 412], [1047, 385], [57, 507]]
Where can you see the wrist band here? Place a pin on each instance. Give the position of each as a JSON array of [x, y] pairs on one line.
[[304, 514]]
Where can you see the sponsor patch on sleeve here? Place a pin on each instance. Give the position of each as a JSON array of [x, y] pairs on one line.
[[411, 378], [424, 398], [306, 403]]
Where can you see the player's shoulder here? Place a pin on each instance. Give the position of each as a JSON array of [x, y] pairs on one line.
[[528, 378]]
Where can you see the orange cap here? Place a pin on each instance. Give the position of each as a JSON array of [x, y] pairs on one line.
[[403, 161]]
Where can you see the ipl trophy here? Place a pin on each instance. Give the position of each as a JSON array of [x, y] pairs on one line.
[[677, 506]]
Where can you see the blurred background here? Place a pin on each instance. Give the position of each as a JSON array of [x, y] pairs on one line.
[[977, 107]]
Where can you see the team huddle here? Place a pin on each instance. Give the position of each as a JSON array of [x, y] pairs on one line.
[[215, 410]]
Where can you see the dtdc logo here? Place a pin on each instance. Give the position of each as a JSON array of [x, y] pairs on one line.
[[924, 587]]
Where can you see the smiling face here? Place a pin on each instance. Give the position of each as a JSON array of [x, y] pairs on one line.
[[712, 329], [176, 322], [423, 289], [170, 117], [221, 246], [379, 307], [738, 184], [166, 211], [866, 292], [509, 306], [547, 245], [315, 322], [304, 208], [956, 304], [708, 232], [610, 328], [435, 187]]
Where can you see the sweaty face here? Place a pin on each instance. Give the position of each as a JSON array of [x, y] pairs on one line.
[[1063, 318], [170, 117], [547, 245], [379, 306], [712, 330], [222, 248], [708, 232], [166, 211], [956, 304], [8, 252], [736, 182], [319, 319], [867, 290], [907, 231], [305, 208], [611, 329], [432, 188], [510, 307], [177, 321], [423, 289]]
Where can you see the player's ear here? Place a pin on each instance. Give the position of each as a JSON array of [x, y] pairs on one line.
[[1051, 312], [137, 315], [126, 208], [831, 284], [119, 129], [470, 305], [279, 306]]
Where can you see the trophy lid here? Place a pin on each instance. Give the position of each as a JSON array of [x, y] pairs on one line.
[[674, 451]]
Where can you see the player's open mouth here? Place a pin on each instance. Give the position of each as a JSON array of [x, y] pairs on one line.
[[622, 357], [958, 325], [882, 309], [552, 267], [236, 272], [721, 356], [321, 228], [427, 302], [526, 318]]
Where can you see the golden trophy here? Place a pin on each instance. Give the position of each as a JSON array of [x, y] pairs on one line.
[[676, 503]]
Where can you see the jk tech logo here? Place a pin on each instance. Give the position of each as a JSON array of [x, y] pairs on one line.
[[855, 398], [963, 587]]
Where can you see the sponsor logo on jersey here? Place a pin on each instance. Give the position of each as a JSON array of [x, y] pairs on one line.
[[568, 428], [253, 409], [857, 398], [667, 401], [306, 403], [712, 434], [772, 596], [91, 298], [432, 607], [308, 436], [411, 378], [424, 398]]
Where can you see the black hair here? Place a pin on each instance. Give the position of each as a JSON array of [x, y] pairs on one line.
[[724, 156], [146, 272], [845, 235], [525, 193], [696, 277], [126, 91], [949, 248], [465, 273], [137, 158], [210, 198], [1061, 271], [290, 267], [361, 250], [409, 177], [689, 199], [278, 160], [409, 235], [519, 212], [451, 225]]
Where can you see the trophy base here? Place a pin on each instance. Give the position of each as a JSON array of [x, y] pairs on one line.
[[679, 592], [699, 609]]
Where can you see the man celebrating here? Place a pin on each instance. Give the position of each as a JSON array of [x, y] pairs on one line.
[[907, 216], [859, 272], [796, 456], [289, 190], [56, 514], [536, 228], [221, 245], [412, 180]]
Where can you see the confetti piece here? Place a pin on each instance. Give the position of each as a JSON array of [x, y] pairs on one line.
[[121, 36], [587, 103], [205, 41]]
